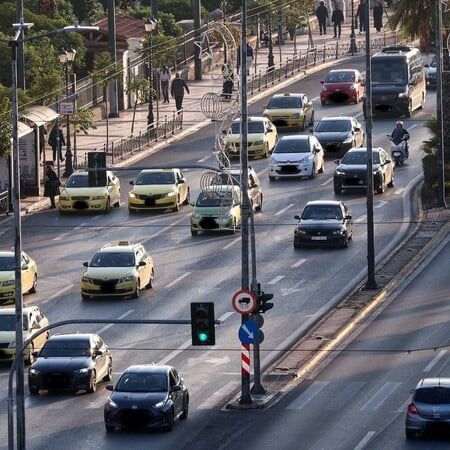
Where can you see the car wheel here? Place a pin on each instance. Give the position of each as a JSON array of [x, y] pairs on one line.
[[322, 167], [271, 178], [194, 232], [108, 206], [313, 172], [109, 428], [408, 112], [30, 359], [297, 244], [33, 391], [117, 204], [185, 412], [233, 227], [303, 124], [382, 186], [92, 383], [311, 121], [337, 189], [391, 183], [177, 205], [266, 151], [150, 282], [85, 297], [34, 285], [187, 199], [170, 420], [259, 206], [410, 434], [137, 292], [108, 375], [345, 242]]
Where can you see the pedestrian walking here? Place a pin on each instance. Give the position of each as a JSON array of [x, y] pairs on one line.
[[361, 16], [322, 16], [249, 58], [337, 18], [378, 16], [228, 77], [51, 185], [56, 135], [165, 78], [177, 89]]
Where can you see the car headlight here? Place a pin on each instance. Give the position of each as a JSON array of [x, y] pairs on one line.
[[8, 283], [87, 279], [261, 142], [98, 197], [402, 95], [82, 371], [34, 371], [131, 195], [303, 160], [352, 87], [339, 173], [126, 279], [324, 88], [301, 232], [272, 161], [160, 404], [339, 232], [170, 194], [196, 215], [296, 116], [64, 197], [348, 140], [112, 404]]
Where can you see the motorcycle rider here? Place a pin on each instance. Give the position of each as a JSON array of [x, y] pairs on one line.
[[398, 134]]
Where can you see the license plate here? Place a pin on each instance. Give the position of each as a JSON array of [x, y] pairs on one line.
[[397, 154], [318, 238]]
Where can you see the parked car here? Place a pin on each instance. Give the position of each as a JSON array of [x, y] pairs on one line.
[[118, 270], [430, 73], [146, 396], [296, 156], [338, 134], [342, 86], [8, 276], [233, 177], [33, 321], [290, 110], [261, 138], [70, 362], [323, 222], [158, 189], [78, 194], [429, 407], [351, 172], [217, 209]]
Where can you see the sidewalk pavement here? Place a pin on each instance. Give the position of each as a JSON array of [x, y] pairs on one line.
[[193, 118]]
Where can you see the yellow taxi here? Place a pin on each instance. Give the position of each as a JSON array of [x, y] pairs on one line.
[[77, 195], [290, 110], [7, 275], [158, 189], [218, 208], [262, 137], [118, 270]]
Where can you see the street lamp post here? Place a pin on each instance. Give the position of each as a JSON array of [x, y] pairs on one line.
[[353, 48], [66, 59], [15, 43], [150, 27], [270, 57]]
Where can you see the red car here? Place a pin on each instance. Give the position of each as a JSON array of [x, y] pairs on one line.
[[342, 86]]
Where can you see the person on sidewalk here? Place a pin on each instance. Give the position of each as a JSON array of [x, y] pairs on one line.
[[249, 58], [51, 185], [361, 16], [337, 18], [165, 78], [177, 89], [378, 16], [322, 16], [53, 142]]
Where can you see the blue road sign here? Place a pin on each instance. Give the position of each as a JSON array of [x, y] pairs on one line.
[[248, 332]]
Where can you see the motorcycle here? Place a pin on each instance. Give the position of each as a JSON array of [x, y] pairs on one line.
[[398, 151]]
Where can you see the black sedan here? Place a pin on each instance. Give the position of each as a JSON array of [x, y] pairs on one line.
[[146, 396], [70, 362], [323, 222], [339, 134], [351, 172]]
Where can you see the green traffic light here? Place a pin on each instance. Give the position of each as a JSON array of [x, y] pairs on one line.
[[202, 337]]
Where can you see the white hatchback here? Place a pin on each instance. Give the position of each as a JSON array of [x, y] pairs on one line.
[[296, 156]]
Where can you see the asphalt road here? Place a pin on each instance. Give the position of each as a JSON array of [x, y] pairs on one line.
[[204, 268]]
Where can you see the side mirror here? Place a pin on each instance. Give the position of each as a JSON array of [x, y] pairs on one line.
[[191, 203], [337, 161], [176, 388], [35, 326], [97, 353], [86, 264], [264, 106], [181, 181], [132, 183], [297, 217], [321, 81], [348, 217], [142, 264], [109, 387]]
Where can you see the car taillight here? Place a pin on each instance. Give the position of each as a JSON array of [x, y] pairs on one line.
[[412, 409]]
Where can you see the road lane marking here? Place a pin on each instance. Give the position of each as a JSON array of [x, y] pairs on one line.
[[205, 158], [230, 244], [178, 279], [381, 395], [435, 360], [298, 263], [381, 204], [174, 353], [218, 396], [225, 316], [284, 209], [365, 440], [307, 395], [361, 219], [399, 191], [276, 279], [327, 182], [107, 327]]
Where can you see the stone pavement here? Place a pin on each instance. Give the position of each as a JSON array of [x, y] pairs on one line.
[[193, 119]]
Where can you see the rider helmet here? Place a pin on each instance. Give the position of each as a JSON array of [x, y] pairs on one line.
[[399, 122]]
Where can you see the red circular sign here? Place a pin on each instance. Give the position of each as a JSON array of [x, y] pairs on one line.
[[244, 301]]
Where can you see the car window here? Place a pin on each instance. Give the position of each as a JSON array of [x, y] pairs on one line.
[[359, 158], [333, 125], [213, 198], [66, 348], [113, 259], [438, 395], [142, 382], [78, 181], [284, 102], [255, 127], [322, 212], [7, 263], [155, 178], [292, 146]]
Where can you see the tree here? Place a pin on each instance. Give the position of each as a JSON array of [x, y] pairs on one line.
[[140, 88]]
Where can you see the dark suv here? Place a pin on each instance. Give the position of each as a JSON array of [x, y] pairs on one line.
[[429, 407]]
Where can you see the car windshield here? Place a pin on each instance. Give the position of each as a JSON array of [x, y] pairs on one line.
[[78, 181], [333, 125], [8, 322], [65, 348], [340, 77], [285, 102], [252, 127], [437, 395], [113, 259], [155, 178], [214, 198], [322, 212], [142, 382], [359, 158], [7, 263], [384, 72], [292, 146]]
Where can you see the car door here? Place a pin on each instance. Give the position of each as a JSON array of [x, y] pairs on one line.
[[307, 109], [113, 189], [358, 133], [101, 360], [177, 394], [37, 320], [144, 271], [27, 272], [181, 185], [271, 134]]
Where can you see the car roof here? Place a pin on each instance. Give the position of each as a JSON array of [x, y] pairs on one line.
[[288, 94], [164, 169], [7, 253], [324, 119], [324, 203], [252, 119], [146, 368], [343, 70], [85, 172], [12, 310], [364, 149], [223, 187], [121, 246], [72, 336], [433, 382], [295, 137]]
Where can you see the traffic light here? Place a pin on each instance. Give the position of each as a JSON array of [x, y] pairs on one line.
[[202, 324], [97, 160], [263, 301]]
